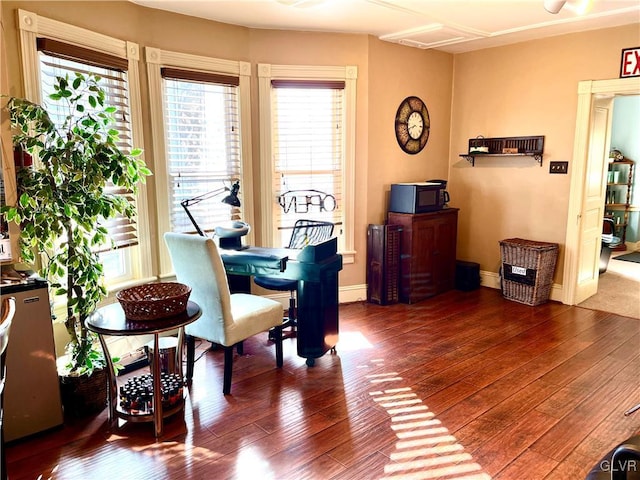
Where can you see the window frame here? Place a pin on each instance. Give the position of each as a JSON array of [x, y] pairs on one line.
[[348, 74], [31, 26], [157, 59]]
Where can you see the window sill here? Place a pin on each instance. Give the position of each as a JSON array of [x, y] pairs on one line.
[[348, 257]]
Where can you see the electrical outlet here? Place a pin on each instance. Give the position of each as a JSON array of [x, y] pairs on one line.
[[558, 167]]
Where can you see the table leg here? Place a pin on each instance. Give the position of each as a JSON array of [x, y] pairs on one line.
[[317, 317], [111, 378], [157, 388], [178, 359]]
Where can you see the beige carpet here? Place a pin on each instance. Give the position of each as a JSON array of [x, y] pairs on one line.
[[618, 289]]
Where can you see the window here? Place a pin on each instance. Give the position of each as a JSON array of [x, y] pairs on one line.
[[202, 145], [307, 154], [200, 116], [307, 117], [58, 59], [51, 48]]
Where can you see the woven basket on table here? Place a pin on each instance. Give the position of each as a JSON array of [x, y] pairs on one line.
[[153, 301], [539, 261]]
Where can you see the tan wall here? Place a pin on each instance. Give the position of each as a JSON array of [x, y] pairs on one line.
[[523, 89], [396, 72], [186, 34]]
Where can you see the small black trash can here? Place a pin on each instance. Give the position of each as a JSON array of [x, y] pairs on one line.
[[467, 275]]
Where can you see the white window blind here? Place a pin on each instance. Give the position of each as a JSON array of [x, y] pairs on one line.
[[58, 59], [307, 146], [202, 145]]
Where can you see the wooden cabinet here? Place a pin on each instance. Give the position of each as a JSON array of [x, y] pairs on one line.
[[427, 253], [618, 197]]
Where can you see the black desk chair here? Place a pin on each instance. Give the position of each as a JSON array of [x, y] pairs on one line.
[[8, 311], [621, 463], [609, 242], [305, 232]]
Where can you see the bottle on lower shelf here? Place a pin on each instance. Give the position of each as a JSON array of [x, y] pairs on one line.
[[136, 395]]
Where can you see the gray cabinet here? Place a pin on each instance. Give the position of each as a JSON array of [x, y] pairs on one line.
[[32, 391]]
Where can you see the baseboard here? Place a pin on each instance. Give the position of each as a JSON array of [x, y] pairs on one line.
[[492, 280], [358, 293], [348, 294], [352, 293]]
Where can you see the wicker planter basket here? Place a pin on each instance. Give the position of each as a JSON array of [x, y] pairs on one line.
[[153, 301], [84, 395], [527, 270]]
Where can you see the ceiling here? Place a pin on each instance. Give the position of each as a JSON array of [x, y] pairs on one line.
[[453, 26]]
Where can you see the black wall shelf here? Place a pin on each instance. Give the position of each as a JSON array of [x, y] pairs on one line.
[[532, 146]]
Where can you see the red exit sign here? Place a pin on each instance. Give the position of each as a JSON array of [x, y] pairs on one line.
[[630, 63]]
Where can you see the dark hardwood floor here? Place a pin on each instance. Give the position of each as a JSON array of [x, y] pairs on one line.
[[466, 385]]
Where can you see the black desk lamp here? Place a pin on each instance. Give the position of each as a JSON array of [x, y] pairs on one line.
[[231, 199]]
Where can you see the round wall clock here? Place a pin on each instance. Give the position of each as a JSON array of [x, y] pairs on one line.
[[412, 125]]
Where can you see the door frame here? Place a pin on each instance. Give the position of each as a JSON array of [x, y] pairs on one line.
[[588, 91]]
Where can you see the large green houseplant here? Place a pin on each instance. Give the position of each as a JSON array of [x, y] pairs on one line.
[[63, 200]]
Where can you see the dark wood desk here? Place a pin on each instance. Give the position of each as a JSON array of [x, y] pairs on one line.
[[316, 268], [110, 320]]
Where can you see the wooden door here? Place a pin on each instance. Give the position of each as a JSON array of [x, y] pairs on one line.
[[590, 229], [574, 262]]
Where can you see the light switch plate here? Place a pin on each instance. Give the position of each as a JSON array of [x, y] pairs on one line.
[[558, 167]]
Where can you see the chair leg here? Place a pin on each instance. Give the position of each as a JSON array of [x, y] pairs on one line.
[[292, 307], [293, 313], [240, 348], [291, 321], [228, 369], [278, 340], [191, 355]]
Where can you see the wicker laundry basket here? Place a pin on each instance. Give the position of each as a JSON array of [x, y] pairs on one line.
[[527, 270]]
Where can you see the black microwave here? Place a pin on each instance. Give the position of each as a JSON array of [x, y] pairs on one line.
[[417, 197]]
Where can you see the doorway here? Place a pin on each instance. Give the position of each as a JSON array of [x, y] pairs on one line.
[[582, 246], [619, 285]]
